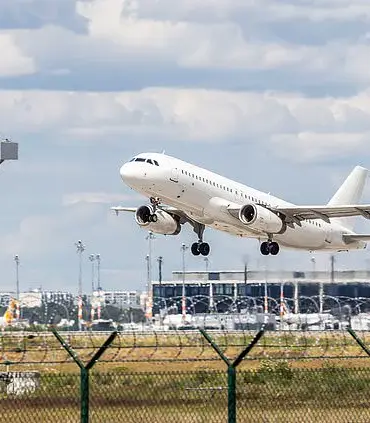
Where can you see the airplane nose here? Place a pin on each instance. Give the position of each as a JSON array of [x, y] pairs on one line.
[[127, 173]]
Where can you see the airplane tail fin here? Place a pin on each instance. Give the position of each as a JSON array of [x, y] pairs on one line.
[[350, 193]]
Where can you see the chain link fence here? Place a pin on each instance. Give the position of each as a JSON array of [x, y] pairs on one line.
[[101, 378], [272, 393]]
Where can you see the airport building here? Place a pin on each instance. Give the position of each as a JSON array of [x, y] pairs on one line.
[[233, 291], [120, 299]]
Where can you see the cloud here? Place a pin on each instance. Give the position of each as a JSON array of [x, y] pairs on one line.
[[306, 146], [94, 197], [20, 14], [286, 120], [13, 61], [142, 44]]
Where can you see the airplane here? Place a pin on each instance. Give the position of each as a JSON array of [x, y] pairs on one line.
[[180, 192]]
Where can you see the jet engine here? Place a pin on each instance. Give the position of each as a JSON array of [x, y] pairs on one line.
[[261, 219], [158, 221]]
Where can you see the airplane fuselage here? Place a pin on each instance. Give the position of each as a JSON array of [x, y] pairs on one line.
[[204, 196]]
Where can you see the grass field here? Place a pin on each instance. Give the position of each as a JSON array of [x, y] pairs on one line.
[[177, 377], [273, 393]]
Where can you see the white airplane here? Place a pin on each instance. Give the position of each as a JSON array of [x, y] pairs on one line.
[[180, 193]]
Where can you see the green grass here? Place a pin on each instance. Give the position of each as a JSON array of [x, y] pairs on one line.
[[273, 392]]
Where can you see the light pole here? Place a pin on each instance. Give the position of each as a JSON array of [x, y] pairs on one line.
[[160, 263], [16, 259], [183, 297], [92, 259], [98, 258], [206, 261], [150, 237], [80, 249]]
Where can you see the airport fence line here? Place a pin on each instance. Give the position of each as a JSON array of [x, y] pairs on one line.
[[31, 348], [274, 389], [272, 393]]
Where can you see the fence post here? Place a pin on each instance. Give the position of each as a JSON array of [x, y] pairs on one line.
[[85, 370], [231, 370], [358, 340]]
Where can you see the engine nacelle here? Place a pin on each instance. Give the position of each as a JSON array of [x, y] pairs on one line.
[[261, 219], [165, 224]]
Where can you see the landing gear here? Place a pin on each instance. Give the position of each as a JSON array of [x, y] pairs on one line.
[[199, 247], [154, 201], [153, 218], [270, 248]]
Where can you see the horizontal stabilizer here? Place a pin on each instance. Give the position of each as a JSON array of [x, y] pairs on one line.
[[357, 237], [324, 212]]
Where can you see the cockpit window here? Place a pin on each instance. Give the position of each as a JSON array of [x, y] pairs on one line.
[[143, 159]]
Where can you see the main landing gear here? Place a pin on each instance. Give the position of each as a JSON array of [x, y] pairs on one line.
[[200, 247], [270, 247]]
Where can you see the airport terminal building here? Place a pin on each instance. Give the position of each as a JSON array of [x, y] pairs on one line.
[[233, 291]]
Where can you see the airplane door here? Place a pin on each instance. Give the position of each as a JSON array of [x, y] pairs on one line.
[[174, 175]]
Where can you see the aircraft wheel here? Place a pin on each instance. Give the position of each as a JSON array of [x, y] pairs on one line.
[[274, 248], [204, 248], [265, 250], [195, 249], [153, 218]]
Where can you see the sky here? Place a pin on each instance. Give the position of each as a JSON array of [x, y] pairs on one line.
[[272, 93]]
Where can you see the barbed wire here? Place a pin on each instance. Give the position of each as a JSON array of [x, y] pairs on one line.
[[320, 334], [177, 346]]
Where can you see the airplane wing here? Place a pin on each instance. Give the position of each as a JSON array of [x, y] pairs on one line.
[[295, 214], [169, 209], [124, 209]]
